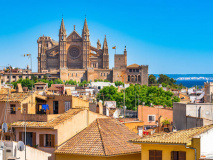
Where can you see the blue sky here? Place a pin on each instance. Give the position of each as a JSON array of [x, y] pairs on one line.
[[169, 36]]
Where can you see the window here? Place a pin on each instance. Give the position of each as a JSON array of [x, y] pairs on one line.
[[20, 76], [178, 155], [151, 118], [40, 88], [137, 70], [55, 107], [133, 70], [67, 105], [101, 74], [8, 76], [46, 140], [39, 77], [14, 76], [130, 70], [12, 109], [155, 155], [128, 78]]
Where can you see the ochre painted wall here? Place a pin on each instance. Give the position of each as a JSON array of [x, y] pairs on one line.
[[136, 156], [133, 126], [166, 151], [75, 124], [79, 103]]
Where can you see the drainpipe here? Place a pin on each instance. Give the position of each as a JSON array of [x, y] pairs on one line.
[[194, 150]]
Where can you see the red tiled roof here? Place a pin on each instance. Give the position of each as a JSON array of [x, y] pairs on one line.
[[50, 124], [104, 137], [179, 137]]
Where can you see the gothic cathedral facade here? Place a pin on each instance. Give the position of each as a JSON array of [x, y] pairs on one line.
[[74, 58]]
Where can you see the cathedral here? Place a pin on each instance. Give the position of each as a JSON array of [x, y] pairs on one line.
[[74, 58]]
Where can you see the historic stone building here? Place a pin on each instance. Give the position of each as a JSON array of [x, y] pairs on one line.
[[74, 58]]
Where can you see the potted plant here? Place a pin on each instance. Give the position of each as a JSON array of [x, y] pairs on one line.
[[166, 123]]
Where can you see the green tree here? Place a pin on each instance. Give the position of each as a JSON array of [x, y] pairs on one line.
[[119, 83], [152, 79], [84, 83], [34, 78], [45, 77], [110, 93], [136, 94], [71, 82]]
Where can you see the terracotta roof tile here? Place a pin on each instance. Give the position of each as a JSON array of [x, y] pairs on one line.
[[14, 97], [53, 88], [4, 91], [133, 66], [104, 137], [179, 137], [41, 83], [50, 124]]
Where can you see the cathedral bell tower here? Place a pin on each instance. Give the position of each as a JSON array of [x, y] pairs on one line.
[[105, 54], [62, 46], [86, 45]]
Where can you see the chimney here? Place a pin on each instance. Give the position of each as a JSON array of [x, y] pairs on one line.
[[100, 107], [19, 88]]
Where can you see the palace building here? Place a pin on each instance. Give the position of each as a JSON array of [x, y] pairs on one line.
[[74, 58]]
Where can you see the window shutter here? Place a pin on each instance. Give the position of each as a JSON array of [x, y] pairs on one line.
[[41, 140], [155, 155], [174, 155], [182, 155], [52, 140], [34, 139], [151, 155], [20, 136]]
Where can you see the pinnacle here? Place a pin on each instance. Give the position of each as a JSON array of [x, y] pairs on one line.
[[62, 28], [85, 29]]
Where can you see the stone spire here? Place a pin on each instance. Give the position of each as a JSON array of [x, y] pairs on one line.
[[62, 28], [105, 46], [85, 29]]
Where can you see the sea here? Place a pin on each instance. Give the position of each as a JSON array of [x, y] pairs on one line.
[[190, 80]]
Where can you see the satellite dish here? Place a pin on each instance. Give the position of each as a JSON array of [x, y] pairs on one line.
[[2, 145], [4, 127], [20, 145]]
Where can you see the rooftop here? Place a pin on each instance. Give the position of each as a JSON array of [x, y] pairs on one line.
[[14, 97], [50, 124], [103, 137], [133, 66], [53, 88], [179, 137], [41, 83]]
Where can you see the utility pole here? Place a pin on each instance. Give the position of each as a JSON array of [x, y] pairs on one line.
[[30, 56]]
